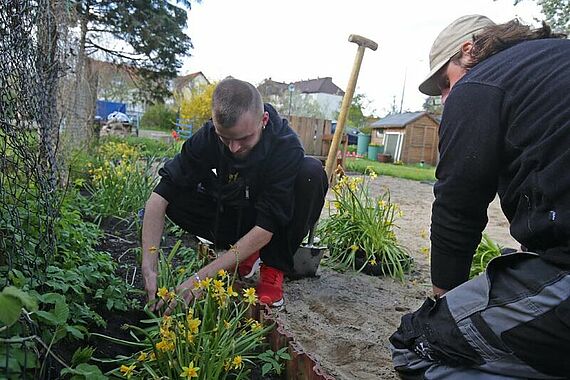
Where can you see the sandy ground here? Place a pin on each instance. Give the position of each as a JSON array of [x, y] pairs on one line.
[[344, 320]]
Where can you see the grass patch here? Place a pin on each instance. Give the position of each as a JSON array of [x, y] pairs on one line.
[[414, 172]]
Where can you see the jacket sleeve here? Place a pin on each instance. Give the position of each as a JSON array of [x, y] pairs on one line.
[[275, 204], [471, 144], [185, 170]]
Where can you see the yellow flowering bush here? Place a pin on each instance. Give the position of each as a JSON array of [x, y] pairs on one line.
[[212, 338], [360, 229]]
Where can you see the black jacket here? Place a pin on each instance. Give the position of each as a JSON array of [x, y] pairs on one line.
[[267, 174], [505, 129]]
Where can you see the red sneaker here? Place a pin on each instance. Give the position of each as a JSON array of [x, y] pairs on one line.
[[249, 266], [270, 286]]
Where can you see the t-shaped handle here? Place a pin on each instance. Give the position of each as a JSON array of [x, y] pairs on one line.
[[363, 41]]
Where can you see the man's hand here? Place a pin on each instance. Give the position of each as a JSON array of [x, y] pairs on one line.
[[151, 288], [187, 291], [438, 292]]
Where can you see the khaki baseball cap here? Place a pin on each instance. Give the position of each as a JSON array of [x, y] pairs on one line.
[[448, 43]]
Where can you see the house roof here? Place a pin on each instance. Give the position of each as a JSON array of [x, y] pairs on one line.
[[185, 80], [320, 85], [400, 120], [310, 86], [270, 87]]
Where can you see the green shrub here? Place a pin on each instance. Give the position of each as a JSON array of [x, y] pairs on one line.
[[159, 116]]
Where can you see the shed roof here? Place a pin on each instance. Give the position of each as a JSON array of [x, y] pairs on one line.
[[399, 119]]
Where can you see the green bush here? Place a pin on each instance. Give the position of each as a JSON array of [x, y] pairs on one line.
[[159, 116]]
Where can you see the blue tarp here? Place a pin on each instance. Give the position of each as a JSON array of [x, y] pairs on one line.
[[104, 108]]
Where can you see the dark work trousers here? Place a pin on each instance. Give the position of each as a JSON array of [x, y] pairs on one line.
[[511, 322], [197, 215]]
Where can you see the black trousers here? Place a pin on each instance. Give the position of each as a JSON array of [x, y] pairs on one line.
[[196, 213]]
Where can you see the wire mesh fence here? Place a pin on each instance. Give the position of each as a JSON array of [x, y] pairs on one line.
[[38, 89]]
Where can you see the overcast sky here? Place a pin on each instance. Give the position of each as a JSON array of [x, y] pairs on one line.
[[291, 40]]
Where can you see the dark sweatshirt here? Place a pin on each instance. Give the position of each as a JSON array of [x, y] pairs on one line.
[[268, 172], [505, 129]]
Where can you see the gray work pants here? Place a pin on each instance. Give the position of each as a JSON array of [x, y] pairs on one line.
[[511, 322]]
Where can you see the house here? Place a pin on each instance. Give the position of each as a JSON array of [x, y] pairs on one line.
[[322, 91], [116, 83], [410, 137], [187, 83]]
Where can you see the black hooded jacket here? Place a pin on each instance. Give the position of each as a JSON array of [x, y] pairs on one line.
[[267, 175], [505, 129]]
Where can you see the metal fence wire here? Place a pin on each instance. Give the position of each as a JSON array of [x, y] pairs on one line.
[[31, 66]]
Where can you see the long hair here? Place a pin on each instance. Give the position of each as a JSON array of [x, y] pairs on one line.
[[496, 38]]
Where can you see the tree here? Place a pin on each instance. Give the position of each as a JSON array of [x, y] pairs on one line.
[[557, 13], [356, 118], [197, 105], [147, 35], [433, 105]]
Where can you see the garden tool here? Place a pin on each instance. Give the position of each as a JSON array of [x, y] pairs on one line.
[[307, 258]]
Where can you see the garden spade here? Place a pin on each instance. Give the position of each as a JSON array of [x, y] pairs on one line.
[[307, 258]]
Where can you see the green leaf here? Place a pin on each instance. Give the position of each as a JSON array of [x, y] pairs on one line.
[[84, 371], [267, 367], [74, 331], [27, 301], [82, 355], [10, 309]]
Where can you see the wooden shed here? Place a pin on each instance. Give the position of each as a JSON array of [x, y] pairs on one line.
[[410, 137]]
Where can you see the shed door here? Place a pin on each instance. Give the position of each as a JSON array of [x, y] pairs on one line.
[[393, 144]]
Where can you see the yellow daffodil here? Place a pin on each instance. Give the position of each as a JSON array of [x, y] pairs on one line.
[[190, 338], [218, 285], [193, 325], [231, 292], [162, 293], [127, 371], [190, 371], [165, 346], [354, 248], [237, 362], [142, 357], [222, 273], [372, 261], [250, 296], [256, 326], [372, 174], [227, 325], [205, 283]]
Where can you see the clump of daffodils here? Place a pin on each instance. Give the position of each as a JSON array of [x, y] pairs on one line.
[[360, 228], [212, 338]]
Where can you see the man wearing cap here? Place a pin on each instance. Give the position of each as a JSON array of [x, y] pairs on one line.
[[505, 130]]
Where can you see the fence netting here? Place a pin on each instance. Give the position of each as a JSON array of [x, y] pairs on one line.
[[34, 62]]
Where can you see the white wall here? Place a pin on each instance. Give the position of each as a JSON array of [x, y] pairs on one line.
[[330, 104]]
